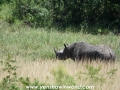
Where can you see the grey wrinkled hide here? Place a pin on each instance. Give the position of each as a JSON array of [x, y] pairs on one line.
[[83, 50], [59, 54]]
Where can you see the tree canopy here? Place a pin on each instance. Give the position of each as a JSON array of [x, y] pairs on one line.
[[91, 13]]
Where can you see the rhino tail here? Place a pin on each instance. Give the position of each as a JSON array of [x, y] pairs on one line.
[[112, 56]]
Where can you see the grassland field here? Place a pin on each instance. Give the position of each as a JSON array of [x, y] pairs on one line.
[[33, 50]]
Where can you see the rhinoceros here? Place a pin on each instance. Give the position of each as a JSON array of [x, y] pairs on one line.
[[82, 50]]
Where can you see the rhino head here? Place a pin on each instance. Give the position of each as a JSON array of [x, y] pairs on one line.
[[61, 54]]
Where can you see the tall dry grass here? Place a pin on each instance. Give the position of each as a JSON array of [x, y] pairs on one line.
[[42, 71]]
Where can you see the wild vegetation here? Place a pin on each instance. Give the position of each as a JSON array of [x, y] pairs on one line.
[[27, 57], [95, 16]]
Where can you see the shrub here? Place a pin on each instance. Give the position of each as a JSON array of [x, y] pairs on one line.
[[62, 77], [31, 12], [11, 80]]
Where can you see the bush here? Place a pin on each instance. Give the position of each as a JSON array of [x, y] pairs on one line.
[[32, 12], [62, 77], [11, 80], [4, 1]]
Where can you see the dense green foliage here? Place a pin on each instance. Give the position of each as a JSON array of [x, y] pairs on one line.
[[32, 12], [98, 16]]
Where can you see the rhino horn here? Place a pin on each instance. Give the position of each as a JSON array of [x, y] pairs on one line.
[[55, 50]]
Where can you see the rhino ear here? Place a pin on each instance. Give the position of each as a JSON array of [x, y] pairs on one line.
[[65, 46]]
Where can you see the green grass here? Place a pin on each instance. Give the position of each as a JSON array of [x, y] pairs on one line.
[[34, 43], [33, 50]]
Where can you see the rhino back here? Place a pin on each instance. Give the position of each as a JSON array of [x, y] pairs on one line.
[[81, 49], [84, 50], [106, 52], [72, 50]]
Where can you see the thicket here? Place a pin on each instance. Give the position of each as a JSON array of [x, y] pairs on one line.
[[94, 15]]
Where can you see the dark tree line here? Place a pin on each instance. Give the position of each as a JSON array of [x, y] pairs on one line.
[[93, 13], [100, 13]]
